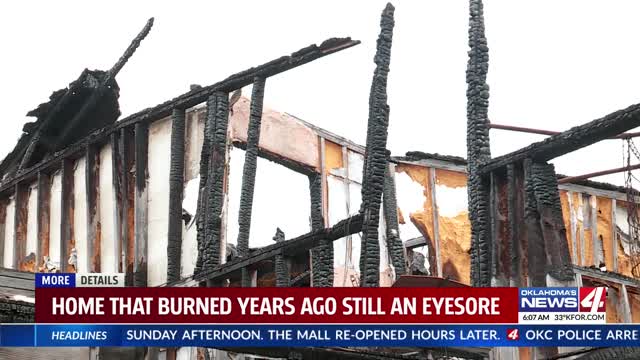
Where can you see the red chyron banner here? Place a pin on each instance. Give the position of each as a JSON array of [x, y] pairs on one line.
[[277, 305]]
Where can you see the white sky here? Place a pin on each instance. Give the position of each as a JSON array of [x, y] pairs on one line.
[[553, 64]]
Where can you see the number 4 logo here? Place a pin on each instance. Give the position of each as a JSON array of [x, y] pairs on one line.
[[592, 299], [513, 334]]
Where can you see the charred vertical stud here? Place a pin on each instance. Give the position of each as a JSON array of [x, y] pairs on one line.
[[283, 278], [214, 189], [209, 127], [478, 150], [20, 226], [176, 191], [249, 171], [116, 182], [321, 255], [127, 160], [390, 204], [376, 154], [67, 240], [141, 205], [92, 180]]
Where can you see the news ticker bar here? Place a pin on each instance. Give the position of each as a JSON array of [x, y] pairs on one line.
[[319, 335]]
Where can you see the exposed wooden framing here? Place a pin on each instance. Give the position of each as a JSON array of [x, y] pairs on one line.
[[581, 256], [43, 210], [535, 240], [324, 186], [614, 234], [92, 188], [514, 227], [118, 207], [214, 191], [571, 140], [67, 240], [127, 160], [606, 276], [496, 276], [376, 157], [187, 100], [141, 204], [322, 133], [291, 247], [626, 308], [322, 254], [3, 224], [21, 215], [574, 227], [595, 243], [176, 192], [395, 248], [249, 172], [347, 191], [436, 223]]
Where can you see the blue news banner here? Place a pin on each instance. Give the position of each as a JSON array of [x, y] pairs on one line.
[[319, 335]]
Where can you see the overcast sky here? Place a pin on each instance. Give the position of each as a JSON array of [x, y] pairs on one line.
[[553, 64]]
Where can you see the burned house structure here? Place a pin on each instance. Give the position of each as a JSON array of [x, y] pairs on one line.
[[85, 192]]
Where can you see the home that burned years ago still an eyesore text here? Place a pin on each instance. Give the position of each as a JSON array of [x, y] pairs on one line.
[[87, 191]]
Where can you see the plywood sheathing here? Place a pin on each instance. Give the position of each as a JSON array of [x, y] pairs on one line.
[[566, 215], [634, 303], [454, 231], [422, 219], [302, 143], [623, 252], [605, 237]]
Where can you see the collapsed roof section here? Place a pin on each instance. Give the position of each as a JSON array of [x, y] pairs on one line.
[[88, 103]]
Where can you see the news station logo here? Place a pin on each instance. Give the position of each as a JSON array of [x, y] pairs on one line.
[[591, 300], [562, 305]]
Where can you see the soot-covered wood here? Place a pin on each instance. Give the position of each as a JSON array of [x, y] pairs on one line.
[[478, 150], [322, 255], [376, 154], [176, 192], [249, 171]]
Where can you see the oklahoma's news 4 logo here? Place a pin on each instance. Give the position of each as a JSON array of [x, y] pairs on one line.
[[556, 299], [592, 299]]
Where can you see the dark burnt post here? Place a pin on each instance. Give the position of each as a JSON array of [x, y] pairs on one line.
[[376, 154]]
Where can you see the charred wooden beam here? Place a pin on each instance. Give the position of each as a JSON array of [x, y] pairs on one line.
[[176, 192], [43, 211], [187, 100], [390, 205], [376, 154], [322, 255], [21, 215], [214, 191], [118, 203], [478, 150], [572, 139], [298, 245], [141, 204], [283, 277], [209, 126], [67, 239], [249, 171], [545, 187], [103, 88], [92, 188], [537, 260], [127, 160], [514, 227]]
